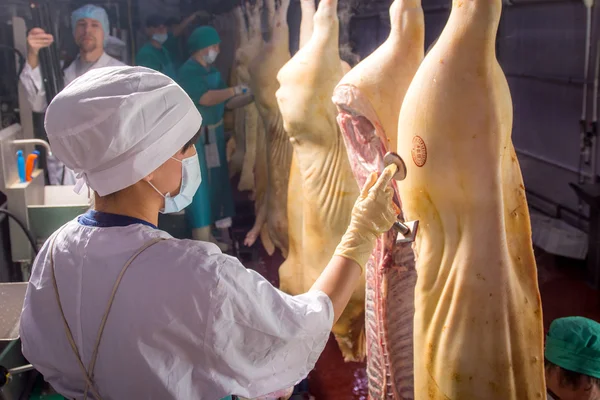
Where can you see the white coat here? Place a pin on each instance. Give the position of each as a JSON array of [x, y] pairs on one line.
[[36, 95], [187, 321]]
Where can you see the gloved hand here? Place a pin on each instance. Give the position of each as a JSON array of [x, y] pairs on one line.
[[241, 89], [374, 213]]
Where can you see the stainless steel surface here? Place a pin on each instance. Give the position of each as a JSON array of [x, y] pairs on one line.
[[11, 303], [407, 231], [60, 205], [393, 158], [42, 208], [8, 158], [20, 370], [13, 358], [19, 195], [34, 141], [44, 220], [401, 228]]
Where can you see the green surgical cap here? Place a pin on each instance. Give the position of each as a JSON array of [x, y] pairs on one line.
[[573, 343], [203, 37]]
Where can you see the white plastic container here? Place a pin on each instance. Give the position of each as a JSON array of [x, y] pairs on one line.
[[557, 237]]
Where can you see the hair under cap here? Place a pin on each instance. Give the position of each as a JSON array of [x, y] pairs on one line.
[[113, 126], [573, 343], [93, 12]]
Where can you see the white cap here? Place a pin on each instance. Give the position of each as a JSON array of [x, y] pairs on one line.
[[115, 125]]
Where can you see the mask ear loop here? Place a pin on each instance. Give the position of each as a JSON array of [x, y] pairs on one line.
[[154, 187], [157, 191]]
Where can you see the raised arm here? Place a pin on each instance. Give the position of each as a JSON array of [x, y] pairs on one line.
[[31, 76], [178, 29]]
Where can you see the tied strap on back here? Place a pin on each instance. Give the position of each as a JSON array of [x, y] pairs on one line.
[[88, 373]]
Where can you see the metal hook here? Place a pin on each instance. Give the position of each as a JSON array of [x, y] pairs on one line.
[[407, 231]]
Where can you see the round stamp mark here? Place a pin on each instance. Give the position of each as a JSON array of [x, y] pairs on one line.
[[419, 151]]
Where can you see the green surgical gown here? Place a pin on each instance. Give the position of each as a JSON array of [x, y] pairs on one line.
[[173, 46], [214, 199], [157, 59]]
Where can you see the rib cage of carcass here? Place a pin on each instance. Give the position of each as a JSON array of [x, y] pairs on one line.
[[369, 99], [477, 313]]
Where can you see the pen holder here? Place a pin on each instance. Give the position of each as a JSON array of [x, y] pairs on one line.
[[20, 195]]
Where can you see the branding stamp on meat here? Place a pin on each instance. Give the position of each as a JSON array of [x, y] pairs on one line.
[[419, 151]]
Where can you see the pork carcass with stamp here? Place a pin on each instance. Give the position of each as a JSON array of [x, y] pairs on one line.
[[478, 316]]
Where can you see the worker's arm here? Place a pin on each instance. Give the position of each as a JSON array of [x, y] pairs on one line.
[[34, 88], [178, 29], [31, 76], [260, 339], [374, 213], [338, 281], [214, 97], [37, 39]]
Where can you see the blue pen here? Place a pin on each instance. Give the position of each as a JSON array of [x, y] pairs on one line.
[[21, 165], [35, 163]]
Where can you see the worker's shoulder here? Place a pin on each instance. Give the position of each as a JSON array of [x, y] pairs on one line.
[[189, 67], [193, 254], [113, 62], [195, 247]]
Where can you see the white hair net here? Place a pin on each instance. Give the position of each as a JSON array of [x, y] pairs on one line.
[[114, 126]]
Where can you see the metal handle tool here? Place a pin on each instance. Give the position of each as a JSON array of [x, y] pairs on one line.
[[407, 231]]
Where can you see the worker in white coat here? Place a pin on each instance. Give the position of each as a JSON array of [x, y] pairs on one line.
[[91, 31], [118, 309]]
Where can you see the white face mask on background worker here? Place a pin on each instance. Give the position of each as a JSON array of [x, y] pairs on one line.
[[211, 56], [156, 29], [160, 37], [204, 44]]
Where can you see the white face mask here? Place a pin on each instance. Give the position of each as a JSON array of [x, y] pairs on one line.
[[211, 57], [160, 37], [190, 182]]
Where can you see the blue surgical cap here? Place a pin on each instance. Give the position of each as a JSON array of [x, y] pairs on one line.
[[93, 12]]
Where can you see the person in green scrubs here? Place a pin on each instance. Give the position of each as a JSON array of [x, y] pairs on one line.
[[213, 202], [572, 359], [153, 54]]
